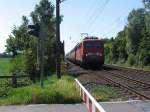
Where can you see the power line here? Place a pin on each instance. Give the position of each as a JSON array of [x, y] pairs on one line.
[[116, 26], [116, 23], [110, 24], [115, 20], [90, 12], [97, 16], [89, 9]]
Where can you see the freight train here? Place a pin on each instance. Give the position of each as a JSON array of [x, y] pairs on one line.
[[88, 53]]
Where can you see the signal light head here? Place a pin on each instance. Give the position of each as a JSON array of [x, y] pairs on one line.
[[34, 29]]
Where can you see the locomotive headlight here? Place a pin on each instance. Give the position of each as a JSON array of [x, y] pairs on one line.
[[99, 54], [89, 54]]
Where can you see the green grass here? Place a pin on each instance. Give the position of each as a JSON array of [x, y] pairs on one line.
[[55, 91], [127, 65], [145, 68], [104, 93], [4, 66]]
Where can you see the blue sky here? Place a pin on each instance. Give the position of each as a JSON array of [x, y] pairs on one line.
[[102, 18]]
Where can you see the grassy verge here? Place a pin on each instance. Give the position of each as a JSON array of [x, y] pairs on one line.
[[104, 93], [54, 91], [146, 68], [4, 66]]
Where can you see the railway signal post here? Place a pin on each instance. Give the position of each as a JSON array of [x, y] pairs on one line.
[[42, 25], [37, 31]]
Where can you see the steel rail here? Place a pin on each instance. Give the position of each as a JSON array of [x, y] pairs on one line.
[[132, 90], [129, 78]]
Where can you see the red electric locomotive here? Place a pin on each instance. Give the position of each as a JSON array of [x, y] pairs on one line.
[[88, 53]]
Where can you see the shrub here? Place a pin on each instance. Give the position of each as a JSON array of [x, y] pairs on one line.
[[19, 64], [55, 91], [131, 59]]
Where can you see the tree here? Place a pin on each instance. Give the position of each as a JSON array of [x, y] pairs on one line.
[[24, 46], [18, 40], [134, 29], [49, 31], [147, 4], [132, 44]]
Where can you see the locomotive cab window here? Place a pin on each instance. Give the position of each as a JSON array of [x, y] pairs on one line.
[[88, 45], [99, 45]]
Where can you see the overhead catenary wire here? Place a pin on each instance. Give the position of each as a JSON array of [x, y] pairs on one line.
[[97, 16], [118, 24], [90, 9], [93, 14], [115, 24], [90, 12], [117, 20]]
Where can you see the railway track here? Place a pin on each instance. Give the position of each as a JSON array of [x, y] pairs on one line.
[[141, 75], [130, 87], [127, 78], [135, 81], [124, 80]]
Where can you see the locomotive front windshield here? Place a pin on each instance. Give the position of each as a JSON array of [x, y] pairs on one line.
[[88, 45], [93, 44]]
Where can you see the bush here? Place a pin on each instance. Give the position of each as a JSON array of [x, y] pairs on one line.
[[19, 64], [55, 91], [25, 64], [131, 59]]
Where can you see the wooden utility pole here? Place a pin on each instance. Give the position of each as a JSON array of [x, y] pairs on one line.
[[58, 70]]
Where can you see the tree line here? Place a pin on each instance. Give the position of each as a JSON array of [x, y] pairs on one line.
[[132, 45], [5, 55], [23, 46]]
